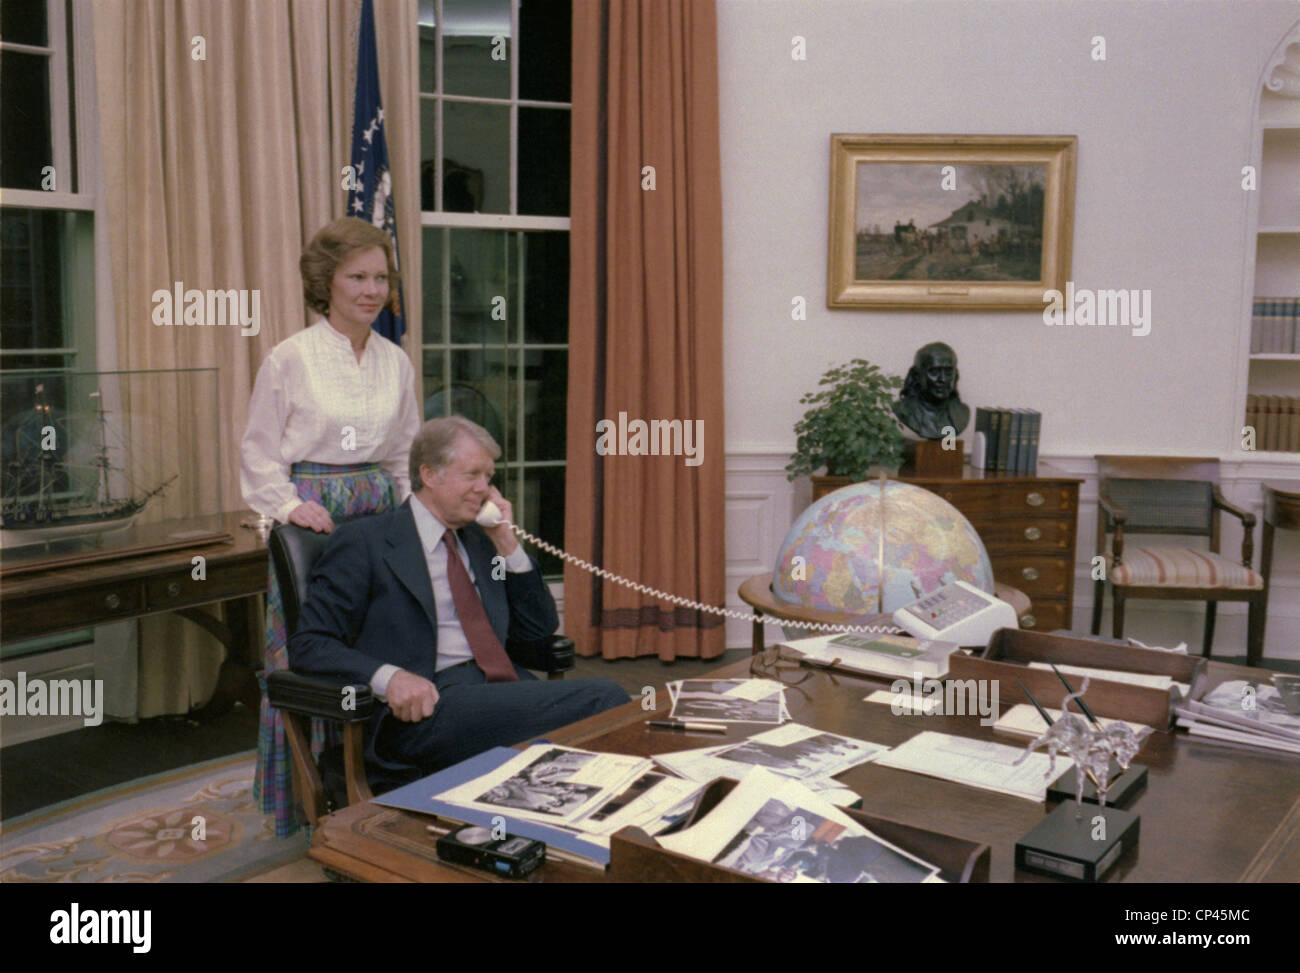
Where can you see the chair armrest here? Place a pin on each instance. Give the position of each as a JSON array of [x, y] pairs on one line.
[[1115, 511], [1245, 516], [553, 654], [320, 696]]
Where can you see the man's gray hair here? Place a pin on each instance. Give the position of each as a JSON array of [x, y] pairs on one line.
[[435, 444]]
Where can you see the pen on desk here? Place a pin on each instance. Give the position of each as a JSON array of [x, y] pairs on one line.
[[1047, 718], [685, 725], [1083, 707]]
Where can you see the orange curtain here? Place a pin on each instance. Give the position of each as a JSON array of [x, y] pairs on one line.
[[645, 333]]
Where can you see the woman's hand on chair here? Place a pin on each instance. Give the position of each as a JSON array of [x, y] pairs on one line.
[[313, 516]]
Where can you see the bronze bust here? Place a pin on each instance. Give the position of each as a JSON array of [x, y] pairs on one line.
[[928, 401]]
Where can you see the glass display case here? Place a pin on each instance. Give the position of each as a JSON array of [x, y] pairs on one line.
[[95, 465]]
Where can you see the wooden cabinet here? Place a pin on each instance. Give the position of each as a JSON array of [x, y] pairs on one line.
[[1029, 525]]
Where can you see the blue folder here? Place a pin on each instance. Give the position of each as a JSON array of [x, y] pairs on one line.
[[421, 797]]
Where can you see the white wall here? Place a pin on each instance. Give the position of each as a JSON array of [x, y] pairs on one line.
[[1164, 126]]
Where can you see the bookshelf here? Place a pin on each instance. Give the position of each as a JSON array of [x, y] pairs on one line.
[[1274, 246]]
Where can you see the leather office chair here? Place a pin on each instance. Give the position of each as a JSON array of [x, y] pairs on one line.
[[341, 778], [1173, 495]]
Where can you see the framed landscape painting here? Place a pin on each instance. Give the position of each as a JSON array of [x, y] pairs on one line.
[[957, 221]]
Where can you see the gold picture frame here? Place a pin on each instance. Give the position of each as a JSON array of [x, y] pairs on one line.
[[952, 221]]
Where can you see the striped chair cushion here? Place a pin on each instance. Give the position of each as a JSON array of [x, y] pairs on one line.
[[1182, 567]]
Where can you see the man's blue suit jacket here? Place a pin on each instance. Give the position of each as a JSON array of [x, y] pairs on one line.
[[370, 601]]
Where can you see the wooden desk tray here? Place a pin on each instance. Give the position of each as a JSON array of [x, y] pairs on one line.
[[637, 857], [1010, 650]]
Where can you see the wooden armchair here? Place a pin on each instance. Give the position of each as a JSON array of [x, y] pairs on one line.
[[1180, 496], [341, 777]]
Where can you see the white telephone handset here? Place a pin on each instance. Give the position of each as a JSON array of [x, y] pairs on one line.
[[489, 516]]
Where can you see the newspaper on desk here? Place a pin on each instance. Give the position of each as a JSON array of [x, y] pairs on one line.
[[729, 700], [776, 828], [804, 753]]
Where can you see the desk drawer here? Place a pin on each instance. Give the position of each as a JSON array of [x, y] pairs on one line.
[[1046, 616], [179, 588], [1038, 577], [981, 501], [1032, 536], [41, 614]]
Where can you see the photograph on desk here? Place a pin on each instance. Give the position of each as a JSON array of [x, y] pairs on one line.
[[779, 830], [729, 700], [554, 784]]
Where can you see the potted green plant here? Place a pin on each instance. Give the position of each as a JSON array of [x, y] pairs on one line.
[[850, 428]]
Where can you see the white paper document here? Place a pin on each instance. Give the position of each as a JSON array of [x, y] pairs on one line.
[[729, 700], [976, 763], [793, 750], [1117, 675]]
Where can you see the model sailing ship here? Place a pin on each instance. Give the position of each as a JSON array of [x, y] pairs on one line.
[[46, 497]]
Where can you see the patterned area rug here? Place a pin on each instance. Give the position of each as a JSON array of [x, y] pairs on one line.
[[198, 824]]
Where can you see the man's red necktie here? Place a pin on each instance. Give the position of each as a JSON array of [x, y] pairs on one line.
[[488, 653]]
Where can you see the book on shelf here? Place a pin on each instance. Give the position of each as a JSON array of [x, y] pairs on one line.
[[1004, 440], [980, 461]]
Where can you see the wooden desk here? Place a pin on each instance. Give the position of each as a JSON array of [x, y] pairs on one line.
[[68, 598], [1209, 813], [1281, 509]]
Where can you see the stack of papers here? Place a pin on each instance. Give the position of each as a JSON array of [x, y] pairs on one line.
[[1252, 714], [729, 700], [776, 828], [808, 755], [976, 763]]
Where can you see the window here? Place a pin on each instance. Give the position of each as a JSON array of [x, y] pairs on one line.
[[494, 135]]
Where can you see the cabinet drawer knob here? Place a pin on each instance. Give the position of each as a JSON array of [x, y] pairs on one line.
[[1027, 620], [1033, 533], [1035, 499], [1029, 574], [112, 603], [173, 589]]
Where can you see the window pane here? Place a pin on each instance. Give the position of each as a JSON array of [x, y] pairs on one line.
[[435, 381], [543, 513], [479, 267], [546, 287], [476, 149], [428, 152], [25, 121], [23, 22], [434, 328], [544, 161], [546, 388], [479, 392], [46, 285], [476, 47], [545, 42], [428, 46]]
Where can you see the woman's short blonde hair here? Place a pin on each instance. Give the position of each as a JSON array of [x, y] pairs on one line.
[[332, 245]]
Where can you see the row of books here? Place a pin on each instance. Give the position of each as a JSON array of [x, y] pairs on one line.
[[1276, 420], [1274, 323], [1010, 439]]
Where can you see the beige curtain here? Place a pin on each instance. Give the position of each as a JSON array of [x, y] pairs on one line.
[[216, 172], [645, 318]]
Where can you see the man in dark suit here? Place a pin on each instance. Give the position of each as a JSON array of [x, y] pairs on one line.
[[419, 602]]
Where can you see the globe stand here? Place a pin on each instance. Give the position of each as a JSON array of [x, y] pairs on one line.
[[927, 457]]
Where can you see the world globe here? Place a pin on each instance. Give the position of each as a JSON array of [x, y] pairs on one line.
[[854, 545]]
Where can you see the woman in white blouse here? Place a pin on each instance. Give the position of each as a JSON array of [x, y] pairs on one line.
[[329, 432]]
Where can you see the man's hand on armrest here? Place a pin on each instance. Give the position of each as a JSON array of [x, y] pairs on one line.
[[411, 697]]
